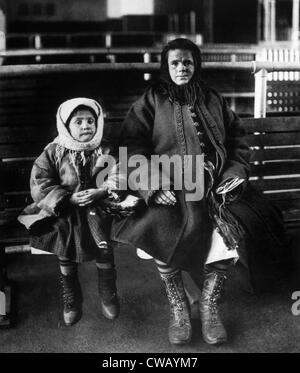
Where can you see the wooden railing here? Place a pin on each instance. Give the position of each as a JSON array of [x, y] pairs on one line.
[[106, 39], [113, 43], [259, 70], [115, 54]]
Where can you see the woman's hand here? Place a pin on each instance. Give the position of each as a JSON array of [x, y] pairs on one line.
[[164, 197], [88, 196]]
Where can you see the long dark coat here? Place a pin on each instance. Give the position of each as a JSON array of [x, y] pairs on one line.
[[155, 125]]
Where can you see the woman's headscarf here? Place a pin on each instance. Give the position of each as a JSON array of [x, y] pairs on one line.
[[187, 93], [66, 142]]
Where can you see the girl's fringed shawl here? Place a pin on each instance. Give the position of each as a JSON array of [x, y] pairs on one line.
[[76, 157]]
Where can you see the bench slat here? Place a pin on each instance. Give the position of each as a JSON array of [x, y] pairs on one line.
[[274, 139], [275, 154], [18, 200], [25, 122], [19, 118], [12, 234], [276, 168], [280, 196], [16, 181], [277, 184], [292, 215], [31, 109], [16, 174], [19, 94], [22, 150], [288, 205], [272, 124], [16, 135]]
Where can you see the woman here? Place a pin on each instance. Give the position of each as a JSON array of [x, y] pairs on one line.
[[180, 116]]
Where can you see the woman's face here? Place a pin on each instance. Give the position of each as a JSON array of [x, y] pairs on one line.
[[181, 66], [82, 125]]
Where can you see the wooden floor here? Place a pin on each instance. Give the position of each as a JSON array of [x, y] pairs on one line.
[[255, 323]]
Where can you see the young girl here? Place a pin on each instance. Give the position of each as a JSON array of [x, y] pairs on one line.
[[70, 221]]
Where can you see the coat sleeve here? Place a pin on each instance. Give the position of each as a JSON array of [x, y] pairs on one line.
[[136, 139], [45, 186], [238, 152]]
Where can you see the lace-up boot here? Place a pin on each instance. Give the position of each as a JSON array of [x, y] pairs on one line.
[[110, 305], [72, 298], [213, 331], [180, 329]]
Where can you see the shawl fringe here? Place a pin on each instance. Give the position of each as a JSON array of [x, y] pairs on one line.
[[225, 222], [76, 157]]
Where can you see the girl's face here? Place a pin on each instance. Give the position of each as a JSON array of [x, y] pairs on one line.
[[181, 66], [82, 125]]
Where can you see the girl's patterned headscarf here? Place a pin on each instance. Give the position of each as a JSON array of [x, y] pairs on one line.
[[66, 143], [63, 116]]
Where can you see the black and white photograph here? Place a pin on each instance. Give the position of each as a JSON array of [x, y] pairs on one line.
[[149, 179]]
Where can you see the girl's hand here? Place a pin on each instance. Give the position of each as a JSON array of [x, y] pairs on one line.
[[74, 200], [165, 197], [88, 196]]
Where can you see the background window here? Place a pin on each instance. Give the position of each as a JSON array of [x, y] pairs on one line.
[[23, 9], [50, 9], [37, 9]]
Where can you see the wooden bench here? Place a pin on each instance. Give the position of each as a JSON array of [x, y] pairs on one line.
[[275, 143]]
